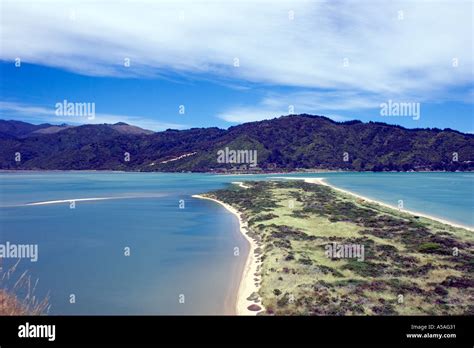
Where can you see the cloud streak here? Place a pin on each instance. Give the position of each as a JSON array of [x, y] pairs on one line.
[[415, 50], [23, 112], [327, 103]]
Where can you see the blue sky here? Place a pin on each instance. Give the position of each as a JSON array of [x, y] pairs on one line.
[[237, 62]]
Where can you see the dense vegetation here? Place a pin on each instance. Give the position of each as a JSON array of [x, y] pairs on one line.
[[412, 265], [287, 143]]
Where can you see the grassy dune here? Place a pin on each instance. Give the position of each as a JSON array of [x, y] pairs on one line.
[[412, 265]]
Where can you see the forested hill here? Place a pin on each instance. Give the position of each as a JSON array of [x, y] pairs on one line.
[[295, 142]]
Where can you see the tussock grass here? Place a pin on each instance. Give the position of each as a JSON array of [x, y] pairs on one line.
[[19, 298], [404, 255]]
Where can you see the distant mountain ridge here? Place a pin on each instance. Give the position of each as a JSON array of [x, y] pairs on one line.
[[22, 129], [287, 143]]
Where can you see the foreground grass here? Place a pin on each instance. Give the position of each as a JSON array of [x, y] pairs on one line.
[[19, 299], [412, 265]]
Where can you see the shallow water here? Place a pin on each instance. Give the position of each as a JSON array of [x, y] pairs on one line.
[[173, 251]]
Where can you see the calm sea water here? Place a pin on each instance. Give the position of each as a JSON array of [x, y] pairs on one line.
[[173, 251], [446, 195]]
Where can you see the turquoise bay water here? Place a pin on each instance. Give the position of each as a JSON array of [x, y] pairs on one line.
[[173, 251], [446, 195]]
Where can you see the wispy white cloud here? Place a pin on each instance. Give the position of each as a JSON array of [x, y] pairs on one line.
[[398, 49], [310, 102], [13, 110]]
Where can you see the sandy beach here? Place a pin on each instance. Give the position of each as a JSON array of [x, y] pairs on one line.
[[247, 282], [322, 181], [240, 184]]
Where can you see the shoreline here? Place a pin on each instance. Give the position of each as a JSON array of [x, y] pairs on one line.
[[240, 184], [247, 283], [308, 171], [322, 181]]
